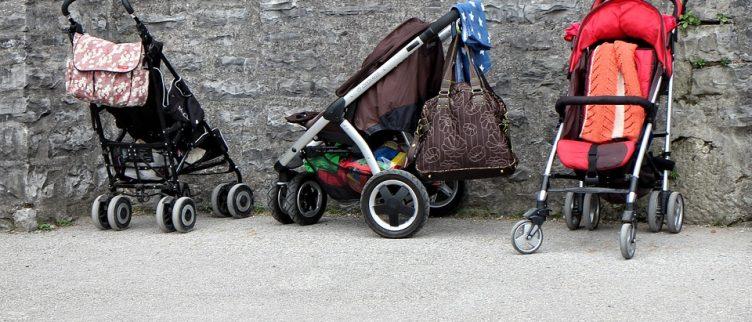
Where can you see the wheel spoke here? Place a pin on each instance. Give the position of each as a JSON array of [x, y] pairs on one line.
[[406, 210], [394, 219], [385, 193], [445, 189], [380, 209], [402, 193]]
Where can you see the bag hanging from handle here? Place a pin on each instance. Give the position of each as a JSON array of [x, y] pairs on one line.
[[105, 73], [462, 133]]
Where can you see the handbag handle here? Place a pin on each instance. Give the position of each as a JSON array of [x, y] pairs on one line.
[[446, 83]]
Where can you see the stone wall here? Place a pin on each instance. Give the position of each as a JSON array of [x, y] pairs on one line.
[[253, 62]]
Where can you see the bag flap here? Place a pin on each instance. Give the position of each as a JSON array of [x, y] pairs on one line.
[[94, 54]]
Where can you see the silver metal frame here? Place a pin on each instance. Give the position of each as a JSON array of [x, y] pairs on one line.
[[351, 97], [646, 138]]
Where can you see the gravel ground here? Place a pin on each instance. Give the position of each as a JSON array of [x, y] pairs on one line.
[[338, 269]]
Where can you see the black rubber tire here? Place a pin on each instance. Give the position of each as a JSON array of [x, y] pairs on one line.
[[184, 214], [627, 240], [516, 229], [450, 207], [572, 210], [414, 187], [99, 212], [297, 205], [675, 213], [119, 213], [219, 200], [591, 203], [276, 199], [163, 214], [654, 213], [240, 201]]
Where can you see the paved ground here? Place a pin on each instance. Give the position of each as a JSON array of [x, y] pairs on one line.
[[454, 269]]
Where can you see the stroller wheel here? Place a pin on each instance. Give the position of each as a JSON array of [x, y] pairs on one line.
[[99, 212], [627, 240], [240, 201], [572, 210], [655, 217], [219, 200], [184, 214], [675, 213], [305, 200], [447, 197], [591, 211], [395, 204], [527, 237], [277, 196], [164, 214], [119, 212]]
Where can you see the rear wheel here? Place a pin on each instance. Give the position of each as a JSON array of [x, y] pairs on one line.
[[675, 213], [591, 211], [572, 210], [305, 201], [276, 201], [395, 204], [447, 197], [654, 215]]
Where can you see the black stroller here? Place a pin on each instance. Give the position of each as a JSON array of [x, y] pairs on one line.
[[356, 148], [158, 143]]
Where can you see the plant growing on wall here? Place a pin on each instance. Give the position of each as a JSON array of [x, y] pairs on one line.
[[699, 63], [689, 19], [722, 19]]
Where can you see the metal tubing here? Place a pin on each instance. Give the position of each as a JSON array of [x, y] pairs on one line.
[[543, 195], [667, 145], [362, 146], [303, 141]]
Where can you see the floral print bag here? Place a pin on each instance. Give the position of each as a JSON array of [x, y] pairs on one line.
[[104, 73]]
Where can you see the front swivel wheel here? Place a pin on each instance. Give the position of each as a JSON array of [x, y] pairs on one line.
[[527, 237], [627, 240]]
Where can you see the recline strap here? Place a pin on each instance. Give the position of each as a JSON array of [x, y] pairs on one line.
[[593, 162]]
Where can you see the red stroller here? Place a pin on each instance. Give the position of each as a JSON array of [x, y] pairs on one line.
[[621, 64]]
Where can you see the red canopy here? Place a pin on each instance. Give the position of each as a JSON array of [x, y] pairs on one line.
[[623, 19]]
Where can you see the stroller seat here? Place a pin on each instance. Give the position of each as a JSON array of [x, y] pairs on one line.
[[609, 134]]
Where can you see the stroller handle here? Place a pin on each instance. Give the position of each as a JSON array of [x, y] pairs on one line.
[[565, 101], [66, 3], [439, 25], [679, 6], [127, 6]]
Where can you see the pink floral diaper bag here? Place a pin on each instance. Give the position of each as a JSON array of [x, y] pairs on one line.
[[105, 73]]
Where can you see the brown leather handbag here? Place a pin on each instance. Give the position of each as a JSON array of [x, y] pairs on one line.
[[462, 133]]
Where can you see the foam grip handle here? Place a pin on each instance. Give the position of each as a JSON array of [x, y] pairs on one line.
[[439, 25], [67, 3], [563, 102]]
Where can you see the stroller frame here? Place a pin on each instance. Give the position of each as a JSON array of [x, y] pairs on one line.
[[335, 112], [534, 218], [377, 200], [140, 157]]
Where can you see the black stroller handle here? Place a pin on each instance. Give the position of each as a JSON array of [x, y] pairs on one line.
[[565, 101], [67, 3], [127, 6], [439, 25]]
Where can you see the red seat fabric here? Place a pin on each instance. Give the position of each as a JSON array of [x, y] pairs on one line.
[[574, 154], [622, 19]]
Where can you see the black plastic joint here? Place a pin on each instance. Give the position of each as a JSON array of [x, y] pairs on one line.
[[335, 113], [280, 168]]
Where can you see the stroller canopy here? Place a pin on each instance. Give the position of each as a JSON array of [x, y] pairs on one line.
[[626, 19]]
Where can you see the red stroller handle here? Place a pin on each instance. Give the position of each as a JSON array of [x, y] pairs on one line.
[[678, 6]]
